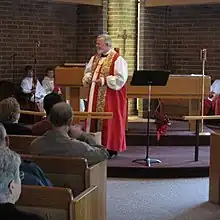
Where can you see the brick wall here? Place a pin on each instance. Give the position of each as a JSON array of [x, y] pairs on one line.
[[122, 16], [192, 28], [152, 45], [66, 33], [174, 36], [25, 21], [89, 25], [155, 37]]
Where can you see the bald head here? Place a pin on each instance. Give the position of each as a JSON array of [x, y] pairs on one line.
[[61, 114]]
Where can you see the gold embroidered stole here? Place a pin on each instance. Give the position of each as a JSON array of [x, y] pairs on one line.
[[102, 90]]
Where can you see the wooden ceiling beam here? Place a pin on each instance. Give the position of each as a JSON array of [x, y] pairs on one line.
[[157, 3], [81, 2]]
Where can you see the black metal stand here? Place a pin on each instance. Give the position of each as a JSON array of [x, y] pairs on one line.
[[196, 157], [149, 78], [37, 44], [13, 67], [148, 161]]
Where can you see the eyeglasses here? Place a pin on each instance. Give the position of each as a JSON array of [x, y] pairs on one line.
[[21, 175]]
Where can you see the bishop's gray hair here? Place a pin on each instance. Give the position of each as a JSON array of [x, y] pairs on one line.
[[9, 170], [3, 135], [107, 39]]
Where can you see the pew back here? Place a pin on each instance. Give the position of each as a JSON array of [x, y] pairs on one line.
[[97, 176], [74, 173], [57, 203], [66, 172], [21, 143], [214, 169]]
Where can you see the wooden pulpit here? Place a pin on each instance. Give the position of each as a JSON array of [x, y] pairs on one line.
[[69, 77]]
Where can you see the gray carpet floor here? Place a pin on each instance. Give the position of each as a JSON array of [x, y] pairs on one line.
[[160, 199]]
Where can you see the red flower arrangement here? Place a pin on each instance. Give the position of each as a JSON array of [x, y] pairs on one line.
[[161, 120]]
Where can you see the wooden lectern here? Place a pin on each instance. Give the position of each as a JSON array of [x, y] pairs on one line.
[[69, 77]]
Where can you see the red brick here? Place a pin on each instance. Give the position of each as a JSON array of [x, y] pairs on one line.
[[66, 33]]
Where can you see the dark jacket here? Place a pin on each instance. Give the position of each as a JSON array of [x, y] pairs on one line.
[[33, 175], [8, 211], [16, 129]]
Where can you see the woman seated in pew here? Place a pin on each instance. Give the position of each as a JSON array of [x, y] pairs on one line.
[[40, 128], [10, 187], [57, 142], [10, 115]]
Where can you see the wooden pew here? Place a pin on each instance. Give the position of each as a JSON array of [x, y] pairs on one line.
[[75, 174], [84, 176], [78, 115], [214, 169], [198, 118], [21, 143], [58, 203]]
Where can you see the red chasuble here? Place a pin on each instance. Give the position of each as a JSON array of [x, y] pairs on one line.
[[105, 99]]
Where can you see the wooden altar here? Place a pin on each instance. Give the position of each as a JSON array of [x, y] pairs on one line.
[[178, 87]]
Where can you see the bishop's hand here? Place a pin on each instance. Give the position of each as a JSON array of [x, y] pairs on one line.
[[98, 82], [75, 131]]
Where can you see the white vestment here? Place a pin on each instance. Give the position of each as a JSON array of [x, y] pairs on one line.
[[115, 82], [26, 86], [48, 84], [215, 87]]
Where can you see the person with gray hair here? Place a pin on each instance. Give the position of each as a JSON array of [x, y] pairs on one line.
[[4, 140], [57, 142], [106, 75], [34, 175], [10, 186]]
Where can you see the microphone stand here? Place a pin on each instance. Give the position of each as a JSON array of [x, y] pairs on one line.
[[13, 67], [203, 57], [37, 44]]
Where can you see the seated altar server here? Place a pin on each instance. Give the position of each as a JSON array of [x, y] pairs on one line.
[[32, 87], [48, 82], [106, 75], [212, 103]]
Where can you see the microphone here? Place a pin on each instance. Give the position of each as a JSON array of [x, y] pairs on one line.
[[203, 54]]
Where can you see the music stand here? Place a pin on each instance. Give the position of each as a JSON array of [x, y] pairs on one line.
[[149, 78]]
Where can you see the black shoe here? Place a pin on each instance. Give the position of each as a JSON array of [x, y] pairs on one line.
[[112, 153]]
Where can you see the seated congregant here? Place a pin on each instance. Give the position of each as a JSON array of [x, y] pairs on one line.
[[57, 142], [33, 175], [10, 187], [41, 127], [48, 82], [44, 125], [9, 117], [32, 87], [212, 103]]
